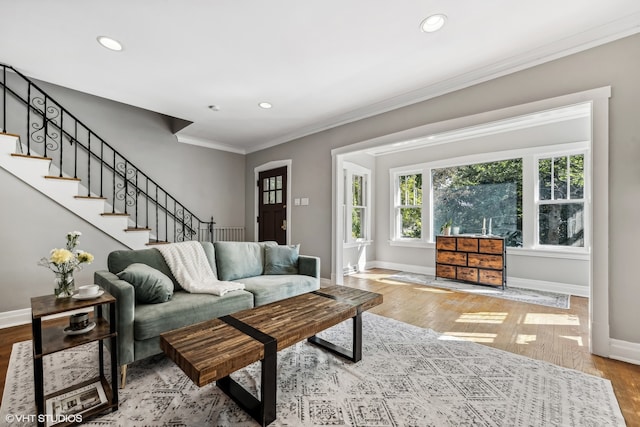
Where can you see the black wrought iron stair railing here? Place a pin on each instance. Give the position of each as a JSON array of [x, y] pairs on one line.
[[47, 129]]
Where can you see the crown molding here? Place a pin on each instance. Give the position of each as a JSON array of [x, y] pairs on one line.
[[209, 144]]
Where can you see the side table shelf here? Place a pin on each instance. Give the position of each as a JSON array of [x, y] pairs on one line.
[[49, 339]]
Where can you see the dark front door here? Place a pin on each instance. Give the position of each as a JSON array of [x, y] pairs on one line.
[[272, 199]]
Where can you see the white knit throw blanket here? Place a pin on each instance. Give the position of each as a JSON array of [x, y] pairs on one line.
[[189, 265]]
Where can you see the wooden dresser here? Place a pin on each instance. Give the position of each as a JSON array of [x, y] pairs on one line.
[[474, 259]]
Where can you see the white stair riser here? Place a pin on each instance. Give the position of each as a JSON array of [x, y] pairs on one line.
[[63, 191]]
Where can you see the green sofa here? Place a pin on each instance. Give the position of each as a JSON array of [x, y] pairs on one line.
[[139, 325]]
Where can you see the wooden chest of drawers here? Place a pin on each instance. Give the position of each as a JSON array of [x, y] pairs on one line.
[[474, 259]]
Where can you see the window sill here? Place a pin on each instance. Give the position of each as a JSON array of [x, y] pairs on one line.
[[357, 244], [558, 253], [412, 244]]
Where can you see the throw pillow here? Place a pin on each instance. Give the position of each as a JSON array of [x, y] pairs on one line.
[[281, 259], [151, 286]]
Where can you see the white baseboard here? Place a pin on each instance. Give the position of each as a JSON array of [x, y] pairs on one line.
[[402, 267], [23, 316], [326, 282], [625, 351], [543, 285], [516, 282], [15, 318]]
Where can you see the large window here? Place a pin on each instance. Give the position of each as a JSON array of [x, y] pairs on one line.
[[474, 195], [560, 201], [536, 198], [408, 206], [356, 203]]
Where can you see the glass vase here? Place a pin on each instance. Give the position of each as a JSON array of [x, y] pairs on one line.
[[65, 285]]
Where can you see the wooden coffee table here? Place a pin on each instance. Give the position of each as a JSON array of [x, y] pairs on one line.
[[212, 350]]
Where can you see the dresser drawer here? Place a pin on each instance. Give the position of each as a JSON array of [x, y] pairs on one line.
[[486, 261], [490, 277], [467, 274], [453, 258], [446, 271], [466, 244]]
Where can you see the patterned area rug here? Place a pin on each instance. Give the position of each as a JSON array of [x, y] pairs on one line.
[[549, 299], [408, 376]]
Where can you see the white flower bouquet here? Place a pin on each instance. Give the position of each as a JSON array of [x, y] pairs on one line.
[[63, 262]]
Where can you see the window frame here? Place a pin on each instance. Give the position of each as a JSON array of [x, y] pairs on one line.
[[530, 184], [585, 200], [350, 170], [396, 218]]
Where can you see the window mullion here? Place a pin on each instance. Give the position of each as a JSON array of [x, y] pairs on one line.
[[568, 177]]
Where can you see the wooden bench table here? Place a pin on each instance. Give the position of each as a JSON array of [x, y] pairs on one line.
[[212, 350]]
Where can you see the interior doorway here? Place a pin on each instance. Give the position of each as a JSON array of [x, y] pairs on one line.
[[453, 130]]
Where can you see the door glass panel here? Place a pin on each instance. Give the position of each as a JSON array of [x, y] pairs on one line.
[[272, 183], [272, 197], [279, 196], [278, 182], [265, 198], [265, 185]]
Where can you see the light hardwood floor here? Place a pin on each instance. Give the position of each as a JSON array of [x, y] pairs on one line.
[[554, 335]]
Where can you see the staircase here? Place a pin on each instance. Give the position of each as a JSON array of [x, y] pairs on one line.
[[48, 148]]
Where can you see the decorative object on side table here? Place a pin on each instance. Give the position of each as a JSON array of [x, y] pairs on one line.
[[63, 262]]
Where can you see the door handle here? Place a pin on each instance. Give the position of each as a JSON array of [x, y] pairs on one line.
[[284, 224]]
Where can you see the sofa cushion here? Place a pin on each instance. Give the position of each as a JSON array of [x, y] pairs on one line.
[[186, 309], [119, 260], [237, 260], [266, 289], [281, 259], [151, 285]]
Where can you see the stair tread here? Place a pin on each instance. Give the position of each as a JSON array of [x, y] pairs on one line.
[[160, 242], [30, 156], [137, 229], [90, 197], [64, 178], [114, 214], [10, 134]]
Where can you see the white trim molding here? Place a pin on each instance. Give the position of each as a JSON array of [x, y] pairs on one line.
[[625, 351], [15, 318], [209, 144]]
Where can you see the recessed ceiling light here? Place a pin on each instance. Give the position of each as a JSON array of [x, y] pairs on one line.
[[110, 43], [265, 105], [433, 23], [214, 107]]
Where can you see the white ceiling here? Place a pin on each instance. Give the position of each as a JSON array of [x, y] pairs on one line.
[[320, 63]]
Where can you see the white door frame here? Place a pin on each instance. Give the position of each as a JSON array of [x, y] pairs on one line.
[[256, 173]]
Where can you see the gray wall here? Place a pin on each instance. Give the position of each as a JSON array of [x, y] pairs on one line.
[[209, 182], [616, 64]]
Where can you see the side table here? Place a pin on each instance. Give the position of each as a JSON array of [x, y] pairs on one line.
[[49, 339]]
